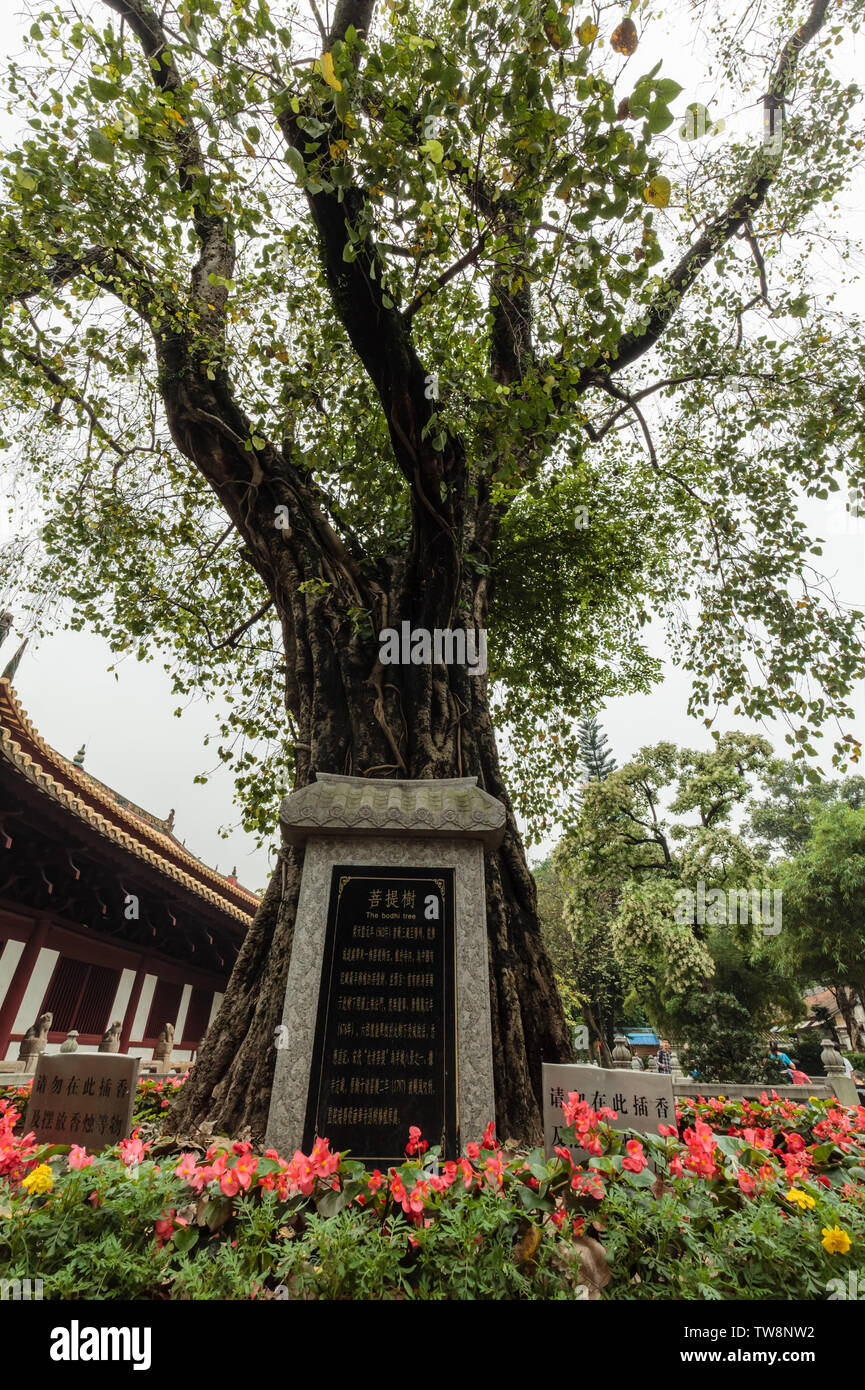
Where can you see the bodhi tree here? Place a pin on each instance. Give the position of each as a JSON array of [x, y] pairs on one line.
[[318, 321]]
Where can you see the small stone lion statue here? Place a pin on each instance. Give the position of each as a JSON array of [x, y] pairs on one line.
[[34, 1040], [164, 1045], [111, 1038]]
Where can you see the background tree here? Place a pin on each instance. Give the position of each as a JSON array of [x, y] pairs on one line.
[[648, 833], [595, 753], [314, 326], [783, 820], [824, 910], [722, 1042], [591, 981]]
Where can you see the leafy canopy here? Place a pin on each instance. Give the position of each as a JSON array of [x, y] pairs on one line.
[[619, 324]]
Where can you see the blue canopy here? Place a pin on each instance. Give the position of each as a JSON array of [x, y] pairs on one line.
[[642, 1037]]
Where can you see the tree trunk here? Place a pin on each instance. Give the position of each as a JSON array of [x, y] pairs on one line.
[[846, 1001], [359, 717]]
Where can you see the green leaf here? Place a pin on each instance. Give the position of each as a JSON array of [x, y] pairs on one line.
[[822, 1151], [100, 146], [294, 160], [184, 1238], [331, 1202], [642, 1179], [434, 149], [103, 91], [660, 117]]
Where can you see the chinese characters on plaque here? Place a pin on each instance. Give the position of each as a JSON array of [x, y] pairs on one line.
[[84, 1099], [642, 1100], [385, 1044]]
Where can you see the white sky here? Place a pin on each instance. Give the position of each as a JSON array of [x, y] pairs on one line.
[[134, 742]]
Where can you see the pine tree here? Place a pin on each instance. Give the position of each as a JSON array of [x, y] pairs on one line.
[[597, 759]]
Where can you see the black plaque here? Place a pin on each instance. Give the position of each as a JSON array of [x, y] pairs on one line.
[[385, 1038]]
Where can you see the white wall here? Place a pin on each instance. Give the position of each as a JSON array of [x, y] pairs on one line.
[[140, 1021], [121, 998], [35, 991]]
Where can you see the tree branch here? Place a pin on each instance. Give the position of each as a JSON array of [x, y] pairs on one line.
[[217, 246], [728, 223], [446, 276]]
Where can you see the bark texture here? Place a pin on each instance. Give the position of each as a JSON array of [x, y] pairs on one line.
[[404, 721]]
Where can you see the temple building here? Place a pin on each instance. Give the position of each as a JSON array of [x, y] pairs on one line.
[[105, 917]]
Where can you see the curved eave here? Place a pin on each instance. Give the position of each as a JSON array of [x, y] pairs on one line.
[[83, 801]]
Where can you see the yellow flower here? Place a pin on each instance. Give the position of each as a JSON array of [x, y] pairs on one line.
[[40, 1180], [834, 1239], [802, 1199]]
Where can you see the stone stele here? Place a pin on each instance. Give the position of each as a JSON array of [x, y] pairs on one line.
[[446, 822]]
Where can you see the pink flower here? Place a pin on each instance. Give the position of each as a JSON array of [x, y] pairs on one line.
[[79, 1157], [186, 1168], [323, 1161], [300, 1174], [132, 1150], [229, 1183], [587, 1184], [494, 1170], [473, 1151], [244, 1170]]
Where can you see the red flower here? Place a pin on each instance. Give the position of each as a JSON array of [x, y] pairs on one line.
[[488, 1141], [415, 1144], [636, 1159], [164, 1228]]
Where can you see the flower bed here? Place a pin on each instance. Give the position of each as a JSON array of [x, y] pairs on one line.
[[745, 1201]]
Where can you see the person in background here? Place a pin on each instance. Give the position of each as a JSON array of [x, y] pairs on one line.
[[776, 1055], [664, 1058]]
